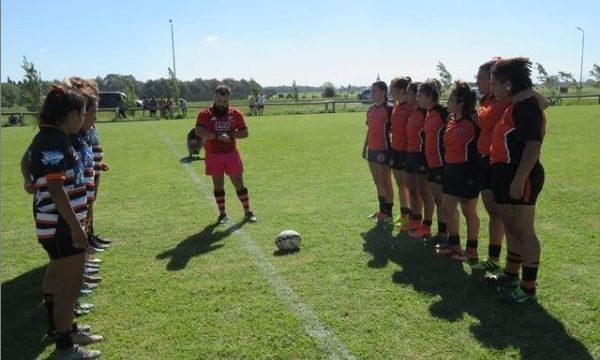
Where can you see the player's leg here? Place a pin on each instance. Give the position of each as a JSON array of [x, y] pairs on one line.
[[219, 194], [495, 231], [235, 169], [400, 176], [387, 188], [449, 205], [416, 203], [376, 181]]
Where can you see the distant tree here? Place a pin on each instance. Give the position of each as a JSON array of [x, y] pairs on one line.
[[567, 78], [11, 95], [445, 76], [31, 91], [595, 73], [328, 90], [173, 87]]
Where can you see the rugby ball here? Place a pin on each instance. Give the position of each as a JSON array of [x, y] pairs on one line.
[[288, 240]]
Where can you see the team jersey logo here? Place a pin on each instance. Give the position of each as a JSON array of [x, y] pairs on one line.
[[222, 126], [52, 157]]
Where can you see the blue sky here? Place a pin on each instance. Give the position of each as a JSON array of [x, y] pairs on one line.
[[276, 42]]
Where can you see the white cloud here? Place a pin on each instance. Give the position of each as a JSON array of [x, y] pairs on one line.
[[211, 39]]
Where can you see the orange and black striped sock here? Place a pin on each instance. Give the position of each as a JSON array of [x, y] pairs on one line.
[[220, 199], [245, 199]]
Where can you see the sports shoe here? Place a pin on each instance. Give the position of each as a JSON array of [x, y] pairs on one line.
[[84, 328], [448, 250], [84, 306], [488, 265], [84, 292], [89, 286], [92, 279], [414, 225], [92, 265], [223, 218], [102, 241], [439, 240], [84, 338], [80, 312], [383, 218], [500, 279], [90, 270], [422, 232], [250, 217], [373, 215], [93, 260], [77, 353], [517, 296], [96, 249], [467, 255]]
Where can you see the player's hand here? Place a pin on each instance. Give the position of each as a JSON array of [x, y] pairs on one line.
[[224, 138], [104, 167], [29, 187], [517, 187], [79, 237]]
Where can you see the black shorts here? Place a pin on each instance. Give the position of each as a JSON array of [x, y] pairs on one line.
[[484, 173], [379, 157], [502, 177], [436, 175], [415, 163], [61, 245], [460, 180], [397, 159]]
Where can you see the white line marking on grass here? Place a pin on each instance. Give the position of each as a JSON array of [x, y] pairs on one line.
[[324, 336]]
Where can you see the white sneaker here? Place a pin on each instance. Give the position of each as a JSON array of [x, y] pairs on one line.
[[84, 338], [77, 353]]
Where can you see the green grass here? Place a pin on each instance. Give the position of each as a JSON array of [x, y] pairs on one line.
[[176, 288]]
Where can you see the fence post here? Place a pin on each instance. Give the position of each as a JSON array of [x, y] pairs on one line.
[[333, 106]]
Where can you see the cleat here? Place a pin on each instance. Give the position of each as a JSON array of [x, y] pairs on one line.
[[84, 306], [77, 353], [89, 286], [382, 218], [92, 279], [501, 279], [517, 296], [90, 271], [223, 218], [488, 265], [94, 260], [85, 292], [84, 338], [250, 217], [422, 232], [468, 256], [102, 241]]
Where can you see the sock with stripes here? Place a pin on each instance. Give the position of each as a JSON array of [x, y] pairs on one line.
[[220, 199], [245, 199]]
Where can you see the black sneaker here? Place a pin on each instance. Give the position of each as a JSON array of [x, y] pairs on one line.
[[501, 279], [102, 241], [250, 217], [223, 218]]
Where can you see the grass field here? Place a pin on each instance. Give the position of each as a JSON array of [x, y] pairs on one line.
[[177, 287]]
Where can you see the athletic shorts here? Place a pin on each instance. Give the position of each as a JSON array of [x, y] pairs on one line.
[[415, 163], [379, 157], [460, 180], [61, 245], [436, 175], [397, 159], [484, 173], [502, 177], [220, 164]]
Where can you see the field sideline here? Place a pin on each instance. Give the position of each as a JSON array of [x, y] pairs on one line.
[[177, 287]]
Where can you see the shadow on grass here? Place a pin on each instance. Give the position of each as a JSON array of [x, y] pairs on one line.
[[188, 160], [529, 327], [198, 244], [24, 316]]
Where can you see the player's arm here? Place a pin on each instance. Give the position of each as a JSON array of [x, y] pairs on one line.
[[28, 184], [204, 133], [239, 134], [528, 123], [61, 200], [530, 157]]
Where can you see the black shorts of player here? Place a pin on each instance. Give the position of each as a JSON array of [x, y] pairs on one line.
[[397, 159], [436, 175], [502, 177], [378, 157], [61, 245], [460, 180], [415, 163], [484, 173]]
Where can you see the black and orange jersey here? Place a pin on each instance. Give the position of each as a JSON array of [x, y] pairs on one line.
[[435, 123], [378, 127], [53, 159], [460, 141], [489, 114], [415, 133], [400, 115], [522, 122], [233, 120], [87, 159]]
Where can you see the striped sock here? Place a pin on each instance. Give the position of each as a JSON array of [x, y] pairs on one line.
[[245, 199], [220, 199]]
